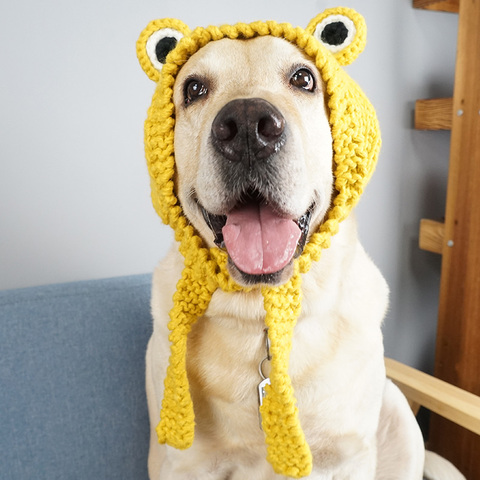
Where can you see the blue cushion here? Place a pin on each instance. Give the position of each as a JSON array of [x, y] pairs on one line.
[[72, 396]]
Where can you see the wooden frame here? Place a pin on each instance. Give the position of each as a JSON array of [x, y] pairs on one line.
[[457, 356]]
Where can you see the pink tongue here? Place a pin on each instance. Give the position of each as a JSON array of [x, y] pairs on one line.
[[259, 241]]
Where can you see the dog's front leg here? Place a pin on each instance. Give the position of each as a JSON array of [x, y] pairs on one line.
[[401, 451], [156, 454]]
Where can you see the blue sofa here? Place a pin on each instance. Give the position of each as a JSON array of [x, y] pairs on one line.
[[72, 396]]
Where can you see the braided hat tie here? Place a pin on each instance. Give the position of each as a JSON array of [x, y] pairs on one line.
[[163, 47]]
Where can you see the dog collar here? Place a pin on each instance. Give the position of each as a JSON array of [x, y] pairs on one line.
[[332, 39]]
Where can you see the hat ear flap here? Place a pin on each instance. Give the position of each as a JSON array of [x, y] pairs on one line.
[[156, 41], [342, 31]]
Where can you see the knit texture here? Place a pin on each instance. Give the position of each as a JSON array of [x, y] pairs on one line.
[[356, 142]]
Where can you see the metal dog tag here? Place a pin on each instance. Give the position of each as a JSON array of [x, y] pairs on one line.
[[261, 390], [261, 395], [265, 380]]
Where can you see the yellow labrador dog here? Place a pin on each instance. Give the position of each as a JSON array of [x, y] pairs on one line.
[[253, 156]]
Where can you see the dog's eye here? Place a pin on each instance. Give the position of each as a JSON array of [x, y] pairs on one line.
[[304, 79], [194, 89]]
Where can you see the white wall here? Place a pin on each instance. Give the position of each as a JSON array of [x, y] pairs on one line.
[[74, 193]]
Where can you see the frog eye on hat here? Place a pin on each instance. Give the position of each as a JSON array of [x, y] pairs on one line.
[[341, 31], [156, 41]]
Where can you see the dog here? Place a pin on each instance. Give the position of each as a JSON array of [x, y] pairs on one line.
[[254, 177]]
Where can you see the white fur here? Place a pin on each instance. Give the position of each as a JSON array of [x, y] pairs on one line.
[[437, 468], [358, 425]]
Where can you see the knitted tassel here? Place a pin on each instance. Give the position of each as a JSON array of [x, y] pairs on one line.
[[287, 449], [177, 423]]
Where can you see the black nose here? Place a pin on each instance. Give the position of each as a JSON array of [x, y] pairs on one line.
[[248, 129]]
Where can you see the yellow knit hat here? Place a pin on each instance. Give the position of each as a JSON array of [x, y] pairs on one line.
[[332, 39]]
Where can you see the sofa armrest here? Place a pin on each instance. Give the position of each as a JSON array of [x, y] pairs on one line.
[[453, 403]]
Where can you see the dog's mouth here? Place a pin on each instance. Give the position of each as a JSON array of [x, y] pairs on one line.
[[259, 239]]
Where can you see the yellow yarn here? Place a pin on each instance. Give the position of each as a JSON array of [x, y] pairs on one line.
[[356, 142], [287, 450]]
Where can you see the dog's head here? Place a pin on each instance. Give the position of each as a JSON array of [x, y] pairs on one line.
[[257, 136]]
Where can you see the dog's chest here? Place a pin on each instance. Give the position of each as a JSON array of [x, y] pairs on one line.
[[222, 365], [223, 368]]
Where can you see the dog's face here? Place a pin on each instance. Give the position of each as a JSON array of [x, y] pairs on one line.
[[240, 144], [253, 152]]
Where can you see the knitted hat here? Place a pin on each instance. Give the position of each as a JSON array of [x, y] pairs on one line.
[[332, 39]]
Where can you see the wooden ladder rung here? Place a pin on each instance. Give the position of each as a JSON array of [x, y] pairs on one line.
[[434, 114], [432, 235], [439, 5]]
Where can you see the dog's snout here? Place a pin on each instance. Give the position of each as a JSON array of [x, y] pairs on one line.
[[248, 129]]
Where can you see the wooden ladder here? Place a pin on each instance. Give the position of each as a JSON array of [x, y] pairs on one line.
[[457, 357]]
